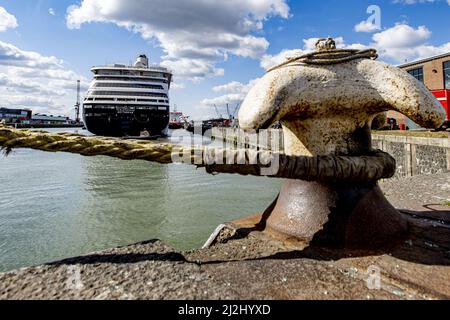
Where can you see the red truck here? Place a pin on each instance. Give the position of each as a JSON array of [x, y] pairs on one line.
[[444, 98]]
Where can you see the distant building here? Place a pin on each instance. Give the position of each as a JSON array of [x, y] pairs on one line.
[[434, 72], [15, 115], [45, 119]]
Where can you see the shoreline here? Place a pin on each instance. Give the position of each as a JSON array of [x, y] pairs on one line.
[[45, 126]]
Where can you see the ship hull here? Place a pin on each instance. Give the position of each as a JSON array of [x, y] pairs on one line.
[[113, 123]]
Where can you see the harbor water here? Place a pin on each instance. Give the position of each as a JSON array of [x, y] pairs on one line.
[[59, 205]]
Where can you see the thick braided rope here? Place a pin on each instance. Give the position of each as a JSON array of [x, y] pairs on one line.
[[373, 167], [84, 145], [330, 57]]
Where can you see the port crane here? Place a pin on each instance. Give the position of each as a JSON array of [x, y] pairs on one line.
[[234, 121], [238, 106], [217, 111], [236, 109], [228, 111]]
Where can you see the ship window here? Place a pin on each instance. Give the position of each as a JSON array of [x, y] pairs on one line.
[[130, 73], [145, 108], [128, 85], [127, 100], [109, 72], [131, 79], [417, 73], [447, 74], [147, 100], [119, 93], [102, 107], [153, 74]]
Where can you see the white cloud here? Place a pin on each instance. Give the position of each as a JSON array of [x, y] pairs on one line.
[[403, 43], [195, 35], [395, 45], [366, 26], [41, 83], [13, 56], [51, 12], [409, 2], [309, 45], [177, 86], [7, 20], [231, 98], [234, 93], [268, 61], [192, 68], [415, 1], [402, 36], [234, 86]]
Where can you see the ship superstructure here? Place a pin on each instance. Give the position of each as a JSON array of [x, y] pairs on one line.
[[127, 100]]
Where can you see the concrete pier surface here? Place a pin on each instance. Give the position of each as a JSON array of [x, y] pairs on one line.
[[252, 266]]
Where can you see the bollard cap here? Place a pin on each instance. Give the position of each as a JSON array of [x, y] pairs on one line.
[[337, 83]]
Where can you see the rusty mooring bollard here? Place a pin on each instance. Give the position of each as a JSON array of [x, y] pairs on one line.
[[326, 102]]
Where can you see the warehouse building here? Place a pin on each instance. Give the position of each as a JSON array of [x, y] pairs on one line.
[[50, 120]]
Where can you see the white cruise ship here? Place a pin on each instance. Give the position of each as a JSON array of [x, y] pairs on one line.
[[128, 100]]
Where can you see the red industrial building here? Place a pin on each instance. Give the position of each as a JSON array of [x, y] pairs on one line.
[[434, 72]]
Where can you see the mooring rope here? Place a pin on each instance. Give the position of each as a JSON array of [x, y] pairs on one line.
[[330, 57], [375, 166]]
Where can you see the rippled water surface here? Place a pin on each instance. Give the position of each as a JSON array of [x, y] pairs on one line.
[[58, 205]]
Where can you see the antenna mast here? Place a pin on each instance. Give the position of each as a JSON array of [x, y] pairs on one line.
[[78, 104]]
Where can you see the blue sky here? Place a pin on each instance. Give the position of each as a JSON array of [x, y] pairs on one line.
[[216, 49]]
